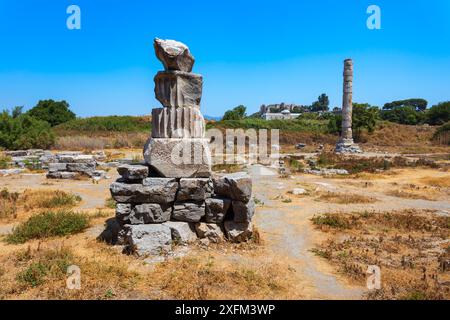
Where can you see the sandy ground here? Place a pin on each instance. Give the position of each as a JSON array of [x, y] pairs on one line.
[[285, 226]]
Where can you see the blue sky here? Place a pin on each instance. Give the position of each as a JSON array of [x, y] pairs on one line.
[[249, 52]]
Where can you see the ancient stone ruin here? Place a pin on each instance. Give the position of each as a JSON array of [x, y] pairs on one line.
[[172, 197], [72, 165], [346, 143]]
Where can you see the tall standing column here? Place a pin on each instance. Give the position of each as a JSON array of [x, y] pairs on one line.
[[346, 143]]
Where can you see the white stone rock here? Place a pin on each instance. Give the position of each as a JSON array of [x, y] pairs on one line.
[[238, 231], [182, 232], [148, 239], [211, 231]]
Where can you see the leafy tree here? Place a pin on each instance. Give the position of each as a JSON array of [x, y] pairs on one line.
[[403, 115], [439, 114], [24, 132], [54, 112], [418, 104], [17, 111], [322, 103], [237, 113], [364, 116]]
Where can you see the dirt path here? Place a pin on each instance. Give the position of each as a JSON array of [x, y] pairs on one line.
[[286, 228]]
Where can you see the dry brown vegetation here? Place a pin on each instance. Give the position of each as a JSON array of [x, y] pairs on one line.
[[410, 246], [417, 195], [13, 203], [101, 141], [345, 198]]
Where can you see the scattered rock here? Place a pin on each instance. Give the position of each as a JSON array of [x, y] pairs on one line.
[[62, 175], [298, 191]]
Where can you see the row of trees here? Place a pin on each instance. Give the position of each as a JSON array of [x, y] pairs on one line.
[[32, 129]]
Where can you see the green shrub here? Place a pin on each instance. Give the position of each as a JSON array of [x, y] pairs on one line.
[[318, 126], [439, 114], [53, 112], [335, 221], [50, 263], [49, 224], [105, 124], [4, 162], [60, 199], [24, 132]]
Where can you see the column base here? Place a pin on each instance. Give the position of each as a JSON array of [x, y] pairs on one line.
[[179, 158], [347, 146]]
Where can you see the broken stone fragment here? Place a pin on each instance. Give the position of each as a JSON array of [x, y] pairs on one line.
[[174, 55], [177, 89], [188, 211], [216, 209], [238, 231], [237, 186], [211, 231], [133, 172], [182, 232], [62, 175], [147, 239], [194, 189], [152, 190], [243, 212], [83, 167], [150, 213]]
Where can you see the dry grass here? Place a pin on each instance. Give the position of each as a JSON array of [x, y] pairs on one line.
[[98, 142], [415, 195], [408, 246], [214, 277], [345, 198], [440, 182]]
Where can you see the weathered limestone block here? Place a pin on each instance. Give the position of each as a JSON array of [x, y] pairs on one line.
[[53, 167], [188, 211], [150, 213], [194, 189], [177, 123], [178, 89], [75, 157], [179, 158], [133, 172], [238, 231], [174, 55], [216, 209], [237, 186], [148, 239], [152, 190], [210, 231], [62, 175], [84, 167], [243, 212], [182, 232]]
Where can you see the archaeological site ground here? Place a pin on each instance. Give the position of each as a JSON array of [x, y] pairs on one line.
[[168, 167]]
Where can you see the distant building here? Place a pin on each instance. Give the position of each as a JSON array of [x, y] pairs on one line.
[[281, 111]]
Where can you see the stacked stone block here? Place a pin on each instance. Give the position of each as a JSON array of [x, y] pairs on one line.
[[156, 212], [73, 165]]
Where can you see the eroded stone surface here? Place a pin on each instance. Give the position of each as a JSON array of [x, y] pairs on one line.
[[216, 209], [182, 232], [152, 190], [211, 231], [179, 158], [174, 55], [150, 213], [147, 239], [133, 172], [243, 212], [188, 211], [237, 186], [238, 231], [177, 123], [178, 89], [194, 189]]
